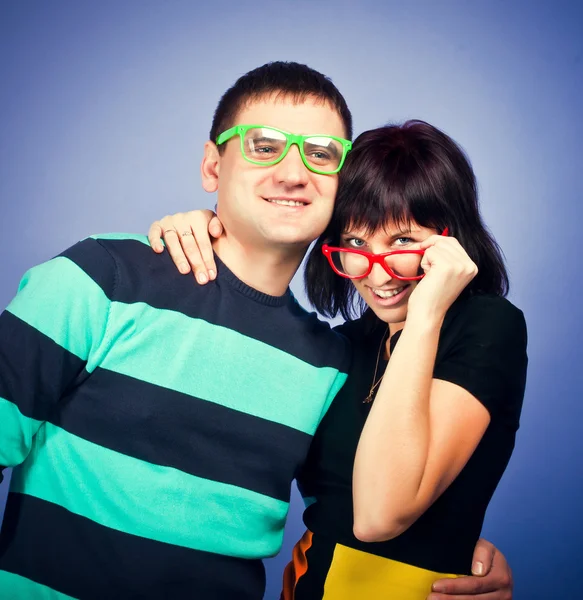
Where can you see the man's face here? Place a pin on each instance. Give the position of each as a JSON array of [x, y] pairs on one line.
[[285, 204]]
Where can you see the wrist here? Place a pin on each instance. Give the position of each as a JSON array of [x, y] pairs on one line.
[[424, 322]]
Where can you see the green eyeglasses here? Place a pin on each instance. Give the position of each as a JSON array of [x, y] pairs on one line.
[[266, 146]]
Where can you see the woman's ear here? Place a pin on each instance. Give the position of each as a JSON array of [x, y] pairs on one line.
[[209, 167]]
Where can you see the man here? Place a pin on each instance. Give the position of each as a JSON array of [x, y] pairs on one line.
[[157, 425]]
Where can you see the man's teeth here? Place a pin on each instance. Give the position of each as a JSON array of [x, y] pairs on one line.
[[286, 202], [388, 293]]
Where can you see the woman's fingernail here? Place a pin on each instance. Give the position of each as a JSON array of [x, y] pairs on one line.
[[212, 274], [202, 278], [183, 268]]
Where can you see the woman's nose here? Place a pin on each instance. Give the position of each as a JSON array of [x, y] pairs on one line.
[[378, 276]]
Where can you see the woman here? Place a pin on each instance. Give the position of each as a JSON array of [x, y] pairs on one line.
[[405, 462]]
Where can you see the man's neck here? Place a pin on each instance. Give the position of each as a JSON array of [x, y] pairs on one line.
[[266, 269]]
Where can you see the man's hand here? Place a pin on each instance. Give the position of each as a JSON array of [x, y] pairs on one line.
[[491, 580]]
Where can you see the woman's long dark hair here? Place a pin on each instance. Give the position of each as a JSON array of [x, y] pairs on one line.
[[398, 174]]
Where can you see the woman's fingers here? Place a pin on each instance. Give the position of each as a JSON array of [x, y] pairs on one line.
[[188, 241], [215, 226], [199, 250], [155, 237], [167, 229], [449, 256], [178, 238], [448, 270]]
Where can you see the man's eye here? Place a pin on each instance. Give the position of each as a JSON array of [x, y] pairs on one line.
[[264, 149]]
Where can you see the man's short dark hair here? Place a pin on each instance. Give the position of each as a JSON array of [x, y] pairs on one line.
[[287, 79]]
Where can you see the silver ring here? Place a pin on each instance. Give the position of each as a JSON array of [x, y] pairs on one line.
[[165, 231], [185, 233]]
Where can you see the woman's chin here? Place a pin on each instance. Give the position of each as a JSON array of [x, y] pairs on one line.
[[389, 310], [389, 315]]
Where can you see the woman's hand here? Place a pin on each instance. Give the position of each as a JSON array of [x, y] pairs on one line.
[[448, 270], [187, 237]]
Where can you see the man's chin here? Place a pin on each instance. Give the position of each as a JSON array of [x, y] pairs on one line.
[[290, 237]]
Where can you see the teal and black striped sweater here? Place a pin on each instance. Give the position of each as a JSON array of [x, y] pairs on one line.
[[155, 426]]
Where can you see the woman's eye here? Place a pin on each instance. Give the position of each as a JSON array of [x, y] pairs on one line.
[[355, 243], [403, 241]]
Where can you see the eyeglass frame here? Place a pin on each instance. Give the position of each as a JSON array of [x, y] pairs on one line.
[[372, 260], [291, 139]]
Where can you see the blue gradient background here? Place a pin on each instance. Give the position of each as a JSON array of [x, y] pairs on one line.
[[105, 106]]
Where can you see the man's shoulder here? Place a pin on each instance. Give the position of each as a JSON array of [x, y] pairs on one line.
[[313, 323], [122, 246], [123, 252], [303, 334], [116, 246], [116, 261]]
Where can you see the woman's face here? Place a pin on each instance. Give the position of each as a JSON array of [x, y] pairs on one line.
[[385, 295]]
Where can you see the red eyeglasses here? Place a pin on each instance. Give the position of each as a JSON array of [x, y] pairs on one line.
[[357, 264]]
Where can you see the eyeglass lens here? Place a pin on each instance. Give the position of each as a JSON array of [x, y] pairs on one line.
[[356, 265], [262, 144]]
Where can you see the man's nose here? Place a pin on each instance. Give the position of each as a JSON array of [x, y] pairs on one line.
[[292, 170]]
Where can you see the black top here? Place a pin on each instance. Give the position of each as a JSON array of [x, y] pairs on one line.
[[482, 348]]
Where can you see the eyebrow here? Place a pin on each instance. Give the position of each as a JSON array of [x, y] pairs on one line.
[[401, 232], [407, 230], [391, 238], [264, 138]]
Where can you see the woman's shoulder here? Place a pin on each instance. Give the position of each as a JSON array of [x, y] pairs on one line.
[[483, 349], [363, 329], [488, 302], [485, 311], [484, 328]]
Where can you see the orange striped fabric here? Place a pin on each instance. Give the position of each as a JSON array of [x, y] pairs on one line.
[[297, 567]]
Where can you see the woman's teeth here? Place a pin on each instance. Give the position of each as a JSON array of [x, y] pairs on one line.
[[388, 293]]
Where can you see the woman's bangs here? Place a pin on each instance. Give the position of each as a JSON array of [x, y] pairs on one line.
[[373, 209]]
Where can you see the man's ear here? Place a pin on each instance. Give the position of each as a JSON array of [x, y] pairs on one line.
[[209, 168]]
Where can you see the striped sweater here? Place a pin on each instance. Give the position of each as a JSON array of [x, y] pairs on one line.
[[155, 426]]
